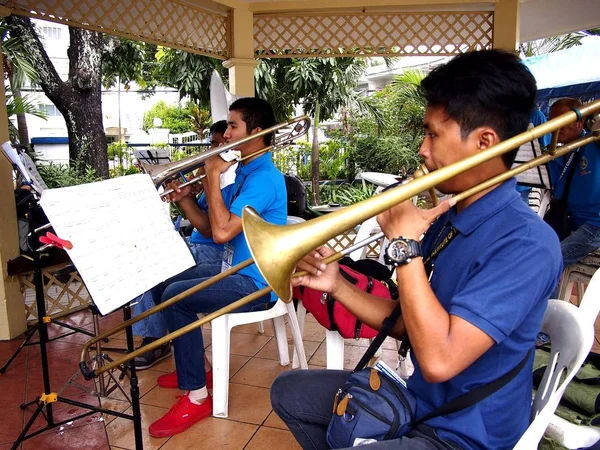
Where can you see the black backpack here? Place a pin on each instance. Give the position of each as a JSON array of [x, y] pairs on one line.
[[296, 195]]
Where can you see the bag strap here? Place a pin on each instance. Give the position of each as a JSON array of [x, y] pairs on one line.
[[475, 395], [571, 164], [386, 328]]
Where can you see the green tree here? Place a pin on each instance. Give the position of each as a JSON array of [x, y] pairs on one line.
[[555, 43], [79, 97], [188, 72], [391, 143], [321, 85], [129, 61], [18, 68], [174, 117]]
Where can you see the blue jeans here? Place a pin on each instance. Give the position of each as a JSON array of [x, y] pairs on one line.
[[189, 348], [304, 399], [582, 241], [154, 326]]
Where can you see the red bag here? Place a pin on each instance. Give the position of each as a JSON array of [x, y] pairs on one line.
[[333, 315]]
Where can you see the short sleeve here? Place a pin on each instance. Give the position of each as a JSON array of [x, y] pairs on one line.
[[506, 282], [257, 192], [202, 204]]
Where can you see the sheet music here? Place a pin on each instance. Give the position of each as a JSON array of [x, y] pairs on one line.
[[13, 155], [123, 239]]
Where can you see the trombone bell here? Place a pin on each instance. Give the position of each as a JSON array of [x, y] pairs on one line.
[[269, 246]]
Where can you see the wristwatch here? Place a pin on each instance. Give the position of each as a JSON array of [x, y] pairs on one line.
[[401, 251]]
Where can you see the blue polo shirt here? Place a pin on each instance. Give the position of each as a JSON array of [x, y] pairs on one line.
[[497, 274], [583, 203], [261, 185], [199, 238]]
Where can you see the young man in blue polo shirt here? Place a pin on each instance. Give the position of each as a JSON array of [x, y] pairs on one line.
[[203, 249], [583, 195], [258, 184], [473, 311]]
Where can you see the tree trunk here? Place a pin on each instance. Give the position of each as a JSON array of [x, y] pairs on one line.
[[314, 158], [21, 120], [78, 98]]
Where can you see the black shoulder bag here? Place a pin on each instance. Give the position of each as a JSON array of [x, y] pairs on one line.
[[557, 215]]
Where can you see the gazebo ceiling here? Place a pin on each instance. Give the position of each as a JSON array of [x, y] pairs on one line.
[[304, 28]]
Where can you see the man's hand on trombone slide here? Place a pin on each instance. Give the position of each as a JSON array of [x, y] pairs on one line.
[[409, 221]]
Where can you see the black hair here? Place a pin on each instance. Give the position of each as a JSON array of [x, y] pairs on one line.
[[257, 113], [484, 88], [218, 127]]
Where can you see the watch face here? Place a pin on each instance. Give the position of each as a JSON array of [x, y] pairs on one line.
[[398, 250]]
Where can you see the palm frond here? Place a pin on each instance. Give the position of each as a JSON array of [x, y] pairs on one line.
[[23, 105]]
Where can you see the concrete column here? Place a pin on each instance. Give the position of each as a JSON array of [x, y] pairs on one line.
[[506, 25], [242, 63], [12, 309]]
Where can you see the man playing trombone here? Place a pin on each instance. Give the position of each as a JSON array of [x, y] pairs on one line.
[[575, 179], [203, 249], [473, 290], [259, 184]]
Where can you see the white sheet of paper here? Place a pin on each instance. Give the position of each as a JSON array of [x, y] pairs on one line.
[[123, 239], [13, 155]]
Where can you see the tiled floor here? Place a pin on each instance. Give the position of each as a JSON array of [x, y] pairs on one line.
[[251, 424]]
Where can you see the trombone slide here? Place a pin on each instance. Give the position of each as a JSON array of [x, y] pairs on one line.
[[277, 249]]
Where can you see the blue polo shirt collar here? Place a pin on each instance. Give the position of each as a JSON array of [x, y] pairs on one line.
[[247, 169], [484, 208]]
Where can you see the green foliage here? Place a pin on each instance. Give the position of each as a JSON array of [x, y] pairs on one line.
[[344, 194], [555, 43], [334, 160], [18, 64], [389, 143], [175, 117], [119, 153], [292, 160], [62, 175], [120, 171], [128, 61], [389, 154], [188, 72], [200, 118]]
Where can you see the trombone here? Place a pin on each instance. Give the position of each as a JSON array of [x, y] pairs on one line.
[[163, 173], [276, 258], [276, 249]]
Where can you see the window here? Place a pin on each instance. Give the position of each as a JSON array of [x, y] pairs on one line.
[[50, 110], [51, 32]]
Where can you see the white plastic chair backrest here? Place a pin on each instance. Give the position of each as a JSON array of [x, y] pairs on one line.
[[364, 231], [590, 303], [571, 332]]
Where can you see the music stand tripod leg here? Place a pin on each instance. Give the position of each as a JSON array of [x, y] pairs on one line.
[[135, 390], [25, 342]]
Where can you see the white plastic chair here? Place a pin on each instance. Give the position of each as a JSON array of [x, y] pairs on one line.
[[290, 220], [539, 200], [566, 433], [221, 334], [221, 343], [571, 331]]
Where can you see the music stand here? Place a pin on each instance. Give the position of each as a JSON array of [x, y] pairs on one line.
[[44, 402], [35, 216], [152, 156]]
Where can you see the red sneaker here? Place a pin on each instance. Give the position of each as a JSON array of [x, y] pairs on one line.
[[169, 380], [180, 417]]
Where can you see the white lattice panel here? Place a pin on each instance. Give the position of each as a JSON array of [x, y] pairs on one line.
[[164, 22], [335, 34]]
